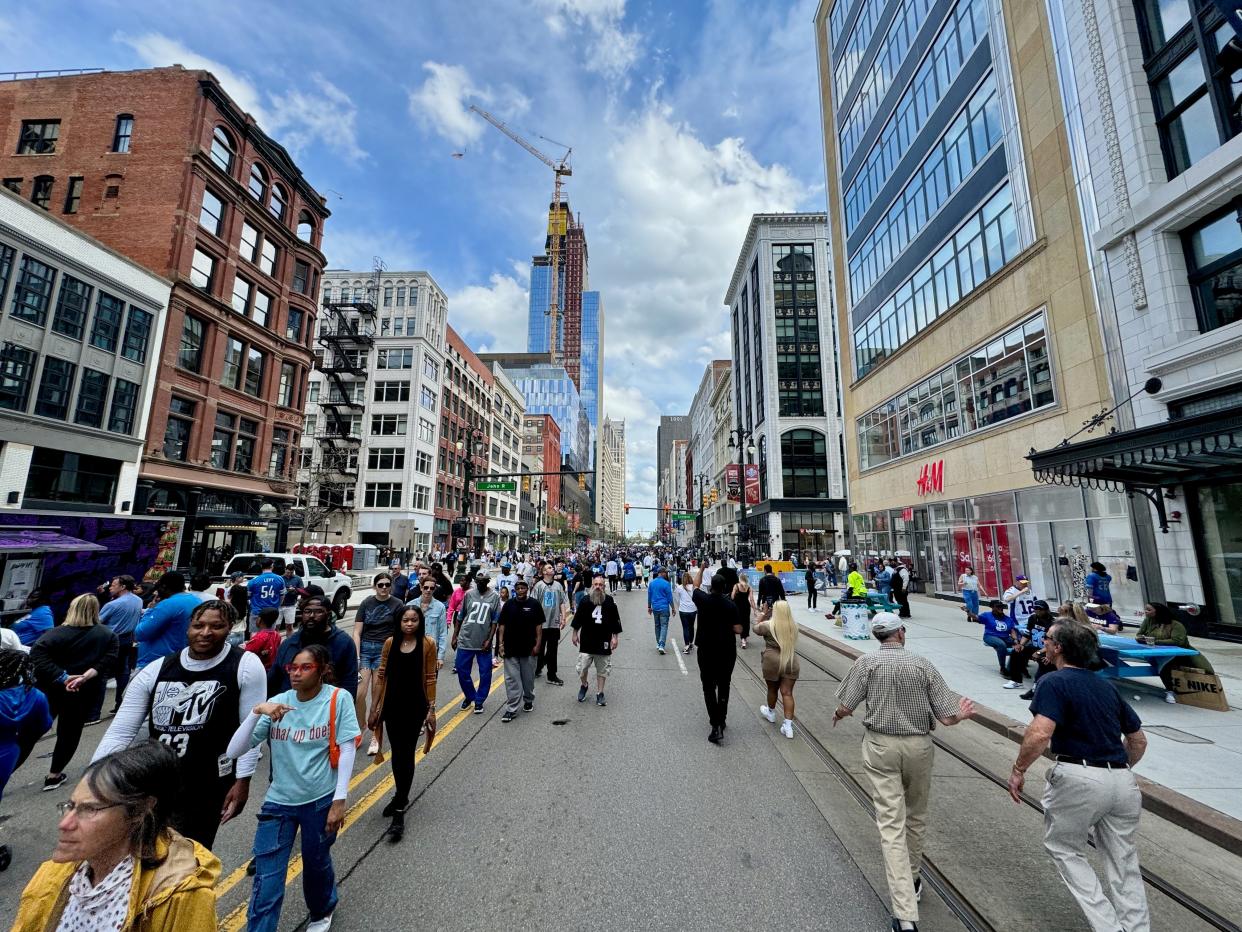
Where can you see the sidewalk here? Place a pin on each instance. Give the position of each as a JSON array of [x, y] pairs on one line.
[[1194, 751]]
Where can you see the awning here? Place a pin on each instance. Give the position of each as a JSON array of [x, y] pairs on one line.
[[38, 539], [1150, 460]]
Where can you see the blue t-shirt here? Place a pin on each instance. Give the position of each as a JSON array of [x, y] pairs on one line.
[[29, 628], [122, 614], [161, 630], [1100, 587], [998, 627], [1090, 714], [301, 772], [267, 590]]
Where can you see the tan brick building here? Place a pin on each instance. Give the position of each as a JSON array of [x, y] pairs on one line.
[[162, 166]]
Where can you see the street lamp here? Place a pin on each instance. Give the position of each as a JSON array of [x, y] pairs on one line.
[[743, 441], [702, 480], [469, 444]]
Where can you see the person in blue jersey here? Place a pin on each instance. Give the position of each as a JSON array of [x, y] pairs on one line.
[[161, 630], [1099, 585], [998, 631], [37, 620], [267, 590]]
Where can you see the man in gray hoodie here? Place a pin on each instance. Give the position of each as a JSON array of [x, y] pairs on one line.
[[473, 628]]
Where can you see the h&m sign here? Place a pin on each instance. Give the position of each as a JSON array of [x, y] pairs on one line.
[[931, 478]]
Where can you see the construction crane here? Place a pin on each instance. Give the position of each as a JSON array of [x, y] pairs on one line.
[[556, 227]]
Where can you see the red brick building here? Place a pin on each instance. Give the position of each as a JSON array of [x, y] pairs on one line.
[[465, 433], [162, 166], [541, 448]]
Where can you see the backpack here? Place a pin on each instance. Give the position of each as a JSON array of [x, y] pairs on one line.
[[334, 749]]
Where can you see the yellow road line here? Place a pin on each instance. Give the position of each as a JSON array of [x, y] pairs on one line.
[[238, 873], [236, 919]]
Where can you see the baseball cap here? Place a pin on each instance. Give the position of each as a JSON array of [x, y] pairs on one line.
[[1020, 578], [506, 565], [885, 623], [482, 573]]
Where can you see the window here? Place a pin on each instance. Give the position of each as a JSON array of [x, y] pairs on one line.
[[804, 464], [428, 398], [301, 277], [382, 495], [123, 133], [422, 498], [211, 214], [6, 269], [222, 439], [222, 150], [41, 193], [401, 296], [190, 352], [430, 369], [33, 291], [177, 432], [106, 331], [242, 290], [55, 387], [277, 203], [260, 313], [392, 391], [306, 226], [124, 407], [13, 184], [422, 462], [258, 182], [383, 425], [73, 196], [38, 137], [16, 374], [288, 384], [386, 458], [294, 324], [395, 359], [57, 476], [388, 296], [72, 306], [1214, 260], [249, 242], [234, 360], [267, 257], [278, 462], [137, 335], [243, 452], [92, 395], [203, 270], [255, 361], [426, 430]]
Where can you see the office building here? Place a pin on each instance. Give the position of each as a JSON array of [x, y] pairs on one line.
[[785, 389], [506, 458], [465, 437], [709, 470], [671, 427], [541, 454], [164, 167], [969, 328], [610, 473]]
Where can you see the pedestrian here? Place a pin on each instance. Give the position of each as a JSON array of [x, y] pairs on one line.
[[373, 625], [812, 592], [744, 600], [521, 632], [997, 632], [968, 583], [25, 716], [267, 590], [687, 611], [121, 613], [1099, 585], [435, 617], [1096, 738], [550, 594], [899, 591], [118, 864], [905, 697], [474, 627], [718, 626], [200, 585], [294, 590], [628, 573], [311, 733], [72, 664], [237, 595], [400, 581], [659, 603], [597, 629], [38, 617], [613, 572], [779, 663], [580, 584], [444, 585], [317, 628], [161, 630], [1020, 600], [193, 701], [1029, 643], [405, 703], [1161, 629], [266, 641], [770, 587], [496, 653]]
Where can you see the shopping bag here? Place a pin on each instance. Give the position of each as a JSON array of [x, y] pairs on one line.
[[1194, 687]]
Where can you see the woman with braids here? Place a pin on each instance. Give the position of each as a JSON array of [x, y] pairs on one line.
[[312, 735], [405, 701], [117, 863]]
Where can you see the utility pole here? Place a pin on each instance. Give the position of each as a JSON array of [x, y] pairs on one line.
[[744, 441]]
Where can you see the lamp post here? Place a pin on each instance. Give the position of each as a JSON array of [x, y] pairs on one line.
[[469, 444], [702, 481], [743, 441]]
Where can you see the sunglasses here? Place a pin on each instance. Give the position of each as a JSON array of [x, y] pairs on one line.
[[383, 585], [429, 588], [300, 667]]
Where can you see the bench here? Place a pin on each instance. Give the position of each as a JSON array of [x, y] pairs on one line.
[[1116, 650]]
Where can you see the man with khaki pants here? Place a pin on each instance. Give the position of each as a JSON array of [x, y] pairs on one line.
[[905, 698]]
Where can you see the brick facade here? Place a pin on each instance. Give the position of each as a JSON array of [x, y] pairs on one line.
[[466, 397]]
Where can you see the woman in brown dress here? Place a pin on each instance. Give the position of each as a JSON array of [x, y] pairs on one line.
[[780, 662]]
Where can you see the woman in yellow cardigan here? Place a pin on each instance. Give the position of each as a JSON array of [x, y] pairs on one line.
[[117, 863]]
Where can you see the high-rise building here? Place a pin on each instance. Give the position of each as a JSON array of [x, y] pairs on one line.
[[591, 377], [671, 427], [969, 328], [610, 470], [709, 469], [164, 167], [548, 389], [465, 434], [541, 454], [372, 424]]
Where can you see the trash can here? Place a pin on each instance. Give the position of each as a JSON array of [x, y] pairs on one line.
[[856, 619]]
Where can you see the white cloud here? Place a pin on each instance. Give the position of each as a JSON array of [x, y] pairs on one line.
[[612, 49], [497, 310], [441, 102], [158, 50]]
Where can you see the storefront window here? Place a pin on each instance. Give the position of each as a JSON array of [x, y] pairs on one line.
[[1221, 510]]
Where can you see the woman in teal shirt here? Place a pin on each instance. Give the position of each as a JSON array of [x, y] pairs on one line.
[[307, 790]]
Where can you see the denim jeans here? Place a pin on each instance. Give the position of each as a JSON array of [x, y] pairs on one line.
[[273, 843], [465, 659], [1001, 648], [660, 617], [971, 598], [687, 626]]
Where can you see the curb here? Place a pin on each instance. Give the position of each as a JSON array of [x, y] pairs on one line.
[[1211, 825]]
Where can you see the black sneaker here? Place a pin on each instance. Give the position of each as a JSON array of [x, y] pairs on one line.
[[555, 681], [397, 829], [478, 709], [465, 704], [599, 700], [1028, 695], [51, 783], [582, 691], [507, 717], [528, 707]]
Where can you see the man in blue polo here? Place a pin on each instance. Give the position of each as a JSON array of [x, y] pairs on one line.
[[659, 603]]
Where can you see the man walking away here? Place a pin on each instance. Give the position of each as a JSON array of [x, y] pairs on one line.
[[1096, 738], [161, 630], [267, 590], [596, 624], [659, 605], [121, 614], [550, 595], [905, 698], [521, 630], [770, 588], [472, 639], [613, 571]]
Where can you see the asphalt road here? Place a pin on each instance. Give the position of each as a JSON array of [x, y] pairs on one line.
[[581, 817]]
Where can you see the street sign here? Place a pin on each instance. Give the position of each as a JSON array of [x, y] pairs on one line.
[[496, 485], [684, 516]]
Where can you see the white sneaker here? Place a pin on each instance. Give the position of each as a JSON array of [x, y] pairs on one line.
[[1012, 685], [1170, 697], [787, 728], [320, 925], [767, 713]]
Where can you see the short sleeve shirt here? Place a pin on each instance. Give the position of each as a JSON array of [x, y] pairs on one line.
[[905, 694], [379, 619], [551, 599], [1090, 714], [997, 626]]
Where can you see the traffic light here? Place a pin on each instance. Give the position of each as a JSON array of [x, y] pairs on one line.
[[627, 508], [715, 496], [526, 484], [582, 482]]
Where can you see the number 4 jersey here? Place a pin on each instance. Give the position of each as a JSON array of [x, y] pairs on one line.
[[195, 712]]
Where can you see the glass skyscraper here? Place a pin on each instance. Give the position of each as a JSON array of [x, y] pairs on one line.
[[548, 389], [592, 357], [538, 324]]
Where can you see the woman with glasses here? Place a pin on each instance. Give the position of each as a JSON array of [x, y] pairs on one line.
[[311, 733], [405, 701], [117, 863], [374, 624]]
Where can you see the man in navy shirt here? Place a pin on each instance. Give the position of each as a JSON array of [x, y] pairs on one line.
[[1096, 738]]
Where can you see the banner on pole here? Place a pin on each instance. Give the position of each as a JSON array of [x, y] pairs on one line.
[[733, 482]]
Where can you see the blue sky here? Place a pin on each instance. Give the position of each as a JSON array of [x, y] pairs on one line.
[[685, 118]]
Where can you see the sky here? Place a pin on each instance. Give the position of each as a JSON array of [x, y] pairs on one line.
[[685, 117]]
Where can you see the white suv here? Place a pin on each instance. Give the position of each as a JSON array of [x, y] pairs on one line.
[[335, 584]]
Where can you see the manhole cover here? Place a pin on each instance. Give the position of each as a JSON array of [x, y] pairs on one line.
[[560, 721], [1176, 734]]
